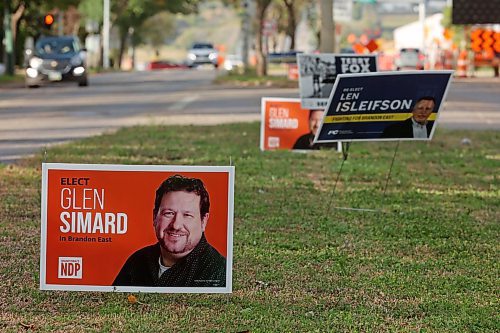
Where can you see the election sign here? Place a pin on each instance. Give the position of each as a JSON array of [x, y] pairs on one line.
[[286, 125], [136, 228], [317, 73], [283, 120], [384, 106]]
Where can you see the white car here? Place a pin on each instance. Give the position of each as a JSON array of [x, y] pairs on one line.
[[202, 53]]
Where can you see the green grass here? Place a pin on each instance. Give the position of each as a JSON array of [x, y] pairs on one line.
[[17, 78], [277, 78], [426, 261]]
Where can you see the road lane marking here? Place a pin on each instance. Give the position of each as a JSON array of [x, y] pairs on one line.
[[183, 103]]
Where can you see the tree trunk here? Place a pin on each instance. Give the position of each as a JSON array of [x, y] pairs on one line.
[[327, 36], [16, 16], [72, 21], [123, 45], [260, 10], [14, 26], [292, 22]]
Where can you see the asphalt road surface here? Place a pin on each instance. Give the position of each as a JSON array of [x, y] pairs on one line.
[[31, 119]]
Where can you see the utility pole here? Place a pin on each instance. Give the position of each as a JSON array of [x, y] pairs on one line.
[[60, 23], [8, 42], [422, 6], [105, 35], [246, 33]]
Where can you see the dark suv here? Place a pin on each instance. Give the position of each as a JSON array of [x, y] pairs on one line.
[[56, 59]]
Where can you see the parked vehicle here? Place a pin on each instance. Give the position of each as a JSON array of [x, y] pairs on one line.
[[56, 59], [409, 58], [202, 53]]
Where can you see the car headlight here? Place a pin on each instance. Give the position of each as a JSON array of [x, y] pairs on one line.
[[212, 56], [191, 56], [31, 72], [78, 70], [76, 61], [35, 62]]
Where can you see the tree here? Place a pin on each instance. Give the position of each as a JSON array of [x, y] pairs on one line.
[[260, 12], [25, 20], [129, 15], [327, 36], [293, 10], [157, 29]]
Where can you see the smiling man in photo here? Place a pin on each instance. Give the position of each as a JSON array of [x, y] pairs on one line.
[[182, 257], [417, 126]]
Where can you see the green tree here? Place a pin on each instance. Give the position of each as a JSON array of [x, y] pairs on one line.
[[26, 20], [92, 10], [459, 35], [156, 29], [129, 16]]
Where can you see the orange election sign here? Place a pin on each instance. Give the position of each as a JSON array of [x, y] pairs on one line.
[[94, 217], [283, 121]]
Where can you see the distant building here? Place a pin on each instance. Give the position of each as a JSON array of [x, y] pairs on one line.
[[413, 35]]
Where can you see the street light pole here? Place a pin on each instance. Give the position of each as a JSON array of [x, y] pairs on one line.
[[246, 33], [421, 16], [105, 35]]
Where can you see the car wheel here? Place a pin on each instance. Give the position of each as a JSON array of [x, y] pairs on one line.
[[84, 83]]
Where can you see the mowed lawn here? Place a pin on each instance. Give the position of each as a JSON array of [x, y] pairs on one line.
[[421, 257]]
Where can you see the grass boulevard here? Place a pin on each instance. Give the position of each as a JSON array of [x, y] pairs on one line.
[[427, 260]]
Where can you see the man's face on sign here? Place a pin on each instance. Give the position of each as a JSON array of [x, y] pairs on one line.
[[422, 110], [178, 224], [315, 120]]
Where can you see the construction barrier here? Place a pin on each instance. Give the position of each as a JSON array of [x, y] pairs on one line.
[[462, 64]]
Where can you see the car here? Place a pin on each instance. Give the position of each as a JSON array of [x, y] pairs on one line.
[[56, 59], [409, 58], [202, 53]]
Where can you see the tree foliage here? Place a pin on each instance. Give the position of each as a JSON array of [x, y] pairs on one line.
[[156, 29], [130, 15]]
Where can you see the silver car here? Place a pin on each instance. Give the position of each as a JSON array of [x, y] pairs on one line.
[[202, 53], [409, 58]]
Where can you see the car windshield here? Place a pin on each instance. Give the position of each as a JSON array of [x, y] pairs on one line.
[[203, 46], [409, 58], [56, 47]]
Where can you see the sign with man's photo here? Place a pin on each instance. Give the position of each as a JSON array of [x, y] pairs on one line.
[[133, 228], [317, 73], [384, 106], [286, 125]]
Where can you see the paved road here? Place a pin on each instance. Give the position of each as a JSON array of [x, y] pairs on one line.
[[31, 119], [472, 104]]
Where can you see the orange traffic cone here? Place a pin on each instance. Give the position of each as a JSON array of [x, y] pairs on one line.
[[462, 64]]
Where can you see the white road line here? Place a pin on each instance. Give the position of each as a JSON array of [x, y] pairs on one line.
[[183, 103]]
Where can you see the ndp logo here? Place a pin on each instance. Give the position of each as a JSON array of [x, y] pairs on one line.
[[70, 268]]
